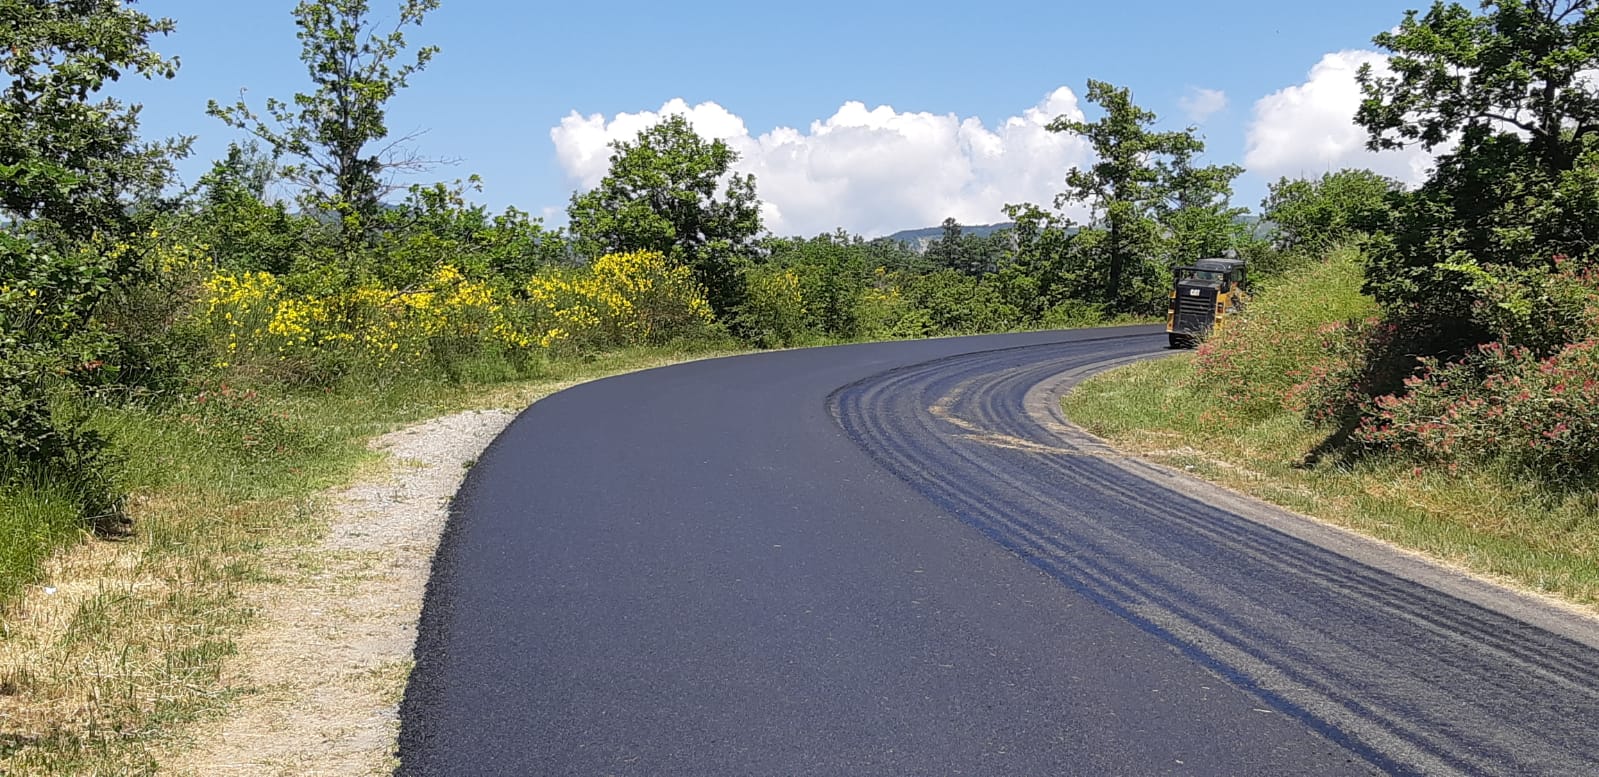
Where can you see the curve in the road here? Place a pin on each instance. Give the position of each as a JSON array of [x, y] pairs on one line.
[[1416, 680], [736, 567]]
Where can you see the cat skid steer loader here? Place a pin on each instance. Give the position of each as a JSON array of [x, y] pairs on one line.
[[1204, 298]]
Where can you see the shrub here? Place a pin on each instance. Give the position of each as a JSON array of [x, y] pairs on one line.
[[1522, 399], [262, 323], [436, 221], [1354, 359], [883, 312], [1534, 308], [961, 304], [1500, 403], [152, 344], [1073, 314], [47, 344], [632, 298], [833, 275], [1294, 333], [772, 314], [258, 324]]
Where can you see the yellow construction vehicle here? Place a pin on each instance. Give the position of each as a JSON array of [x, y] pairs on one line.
[[1203, 298]]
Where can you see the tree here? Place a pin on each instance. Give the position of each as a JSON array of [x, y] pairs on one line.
[[330, 131], [1510, 89], [436, 224], [1312, 216], [894, 255], [1520, 66], [1195, 209], [1137, 169], [957, 303], [945, 251], [1043, 247], [71, 163], [68, 160], [832, 272], [968, 252], [243, 229], [670, 190]]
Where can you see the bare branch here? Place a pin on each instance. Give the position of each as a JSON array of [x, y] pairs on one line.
[[1532, 128], [1579, 5]]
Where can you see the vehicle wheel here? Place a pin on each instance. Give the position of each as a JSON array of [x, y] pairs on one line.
[[1177, 340]]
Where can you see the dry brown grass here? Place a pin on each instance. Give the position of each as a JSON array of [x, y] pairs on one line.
[[319, 675], [119, 645]]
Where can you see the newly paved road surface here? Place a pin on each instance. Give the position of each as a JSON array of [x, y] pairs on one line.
[[897, 559]]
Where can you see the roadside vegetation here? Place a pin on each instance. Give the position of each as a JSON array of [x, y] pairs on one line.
[[1243, 412], [184, 366], [1424, 370]]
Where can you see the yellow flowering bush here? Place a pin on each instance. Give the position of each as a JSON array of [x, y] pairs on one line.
[[621, 299], [630, 298], [240, 311], [253, 316]]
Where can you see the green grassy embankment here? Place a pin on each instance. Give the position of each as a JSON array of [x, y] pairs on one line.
[[1230, 426]]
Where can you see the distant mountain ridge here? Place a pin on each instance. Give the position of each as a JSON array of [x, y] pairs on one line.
[[918, 239]]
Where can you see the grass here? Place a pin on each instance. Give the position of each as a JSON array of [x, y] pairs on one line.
[[35, 519], [1267, 351], [100, 672], [1490, 522]]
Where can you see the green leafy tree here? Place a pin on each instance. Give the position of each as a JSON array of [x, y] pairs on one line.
[[1044, 247], [69, 158], [332, 134], [1124, 189], [1311, 216], [833, 276], [1518, 65], [897, 255], [1195, 210], [436, 225], [957, 303], [945, 251], [243, 229], [1508, 87], [71, 163], [672, 191], [968, 252], [772, 312]]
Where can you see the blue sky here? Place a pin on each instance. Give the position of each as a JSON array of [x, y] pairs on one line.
[[953, 78]]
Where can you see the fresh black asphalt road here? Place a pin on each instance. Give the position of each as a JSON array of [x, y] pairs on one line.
[[898, 559]]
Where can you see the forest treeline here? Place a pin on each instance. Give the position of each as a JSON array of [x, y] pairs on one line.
[[298, 265]]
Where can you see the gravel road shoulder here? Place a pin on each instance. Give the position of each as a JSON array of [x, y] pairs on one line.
[[323, 669]]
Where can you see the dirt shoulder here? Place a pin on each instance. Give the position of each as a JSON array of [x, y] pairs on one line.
[[321, 671]]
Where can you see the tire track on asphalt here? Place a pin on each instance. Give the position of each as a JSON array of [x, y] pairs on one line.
[[1414, 679]]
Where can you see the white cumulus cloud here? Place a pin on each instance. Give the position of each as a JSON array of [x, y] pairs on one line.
[[871, 171], [1309, 129], [1200, 104]]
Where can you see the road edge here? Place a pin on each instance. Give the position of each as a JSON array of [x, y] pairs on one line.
[[1556, 616]]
